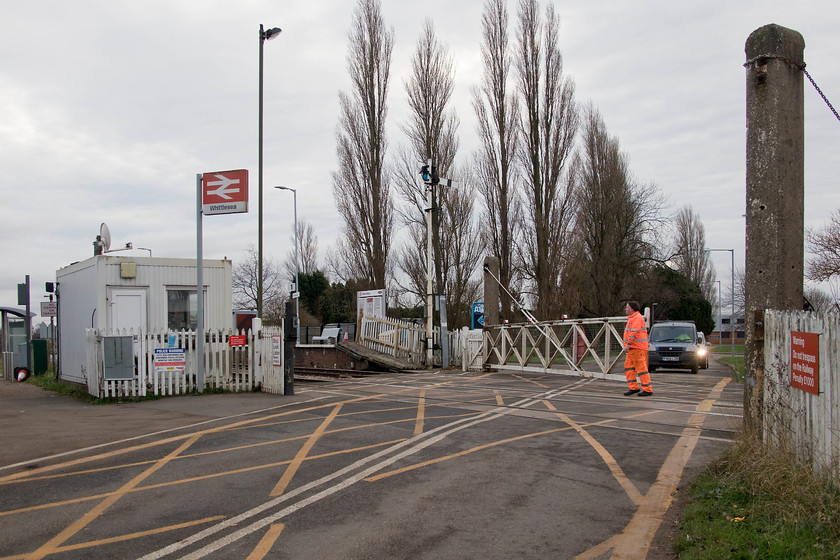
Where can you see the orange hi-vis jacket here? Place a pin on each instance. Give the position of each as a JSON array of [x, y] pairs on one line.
[[635, 333]]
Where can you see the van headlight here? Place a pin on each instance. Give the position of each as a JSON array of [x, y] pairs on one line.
[[701, 352]]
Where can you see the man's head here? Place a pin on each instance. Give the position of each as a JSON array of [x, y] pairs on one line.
[[631, 307]]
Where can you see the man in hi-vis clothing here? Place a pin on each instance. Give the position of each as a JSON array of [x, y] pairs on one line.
[[636, 345]]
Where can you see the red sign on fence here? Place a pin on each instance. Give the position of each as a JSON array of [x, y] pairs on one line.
[[237, 340], [805, 361]]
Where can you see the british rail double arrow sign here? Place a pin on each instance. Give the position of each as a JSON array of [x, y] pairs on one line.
[[224, 192]]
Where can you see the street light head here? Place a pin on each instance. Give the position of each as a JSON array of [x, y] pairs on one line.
[[270, 34], [285, 188]]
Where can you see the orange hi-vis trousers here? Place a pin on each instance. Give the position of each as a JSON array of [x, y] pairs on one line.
[[636, 365]]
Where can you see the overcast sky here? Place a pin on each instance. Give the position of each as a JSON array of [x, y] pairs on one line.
[[109, 109]]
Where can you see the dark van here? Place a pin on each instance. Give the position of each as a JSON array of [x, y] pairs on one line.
[[675, 345]]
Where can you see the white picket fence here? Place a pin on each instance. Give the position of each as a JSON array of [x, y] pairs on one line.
[[226, 367], [794, 418]]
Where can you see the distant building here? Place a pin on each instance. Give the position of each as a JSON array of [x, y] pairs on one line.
[[723, 333]]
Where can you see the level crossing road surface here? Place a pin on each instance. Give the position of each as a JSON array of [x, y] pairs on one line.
[[490, 465]]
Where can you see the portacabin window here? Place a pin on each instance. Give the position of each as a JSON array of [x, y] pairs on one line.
[[181, 309]]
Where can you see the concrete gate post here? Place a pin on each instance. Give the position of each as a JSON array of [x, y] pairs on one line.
[[775, 193]]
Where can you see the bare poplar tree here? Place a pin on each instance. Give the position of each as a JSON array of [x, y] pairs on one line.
[[616, 223], [497, 113], [360, 186], [690, 254], [307, 250], [432, 134], [550, 123]]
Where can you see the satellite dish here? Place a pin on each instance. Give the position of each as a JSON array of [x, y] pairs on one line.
[[105, 236]]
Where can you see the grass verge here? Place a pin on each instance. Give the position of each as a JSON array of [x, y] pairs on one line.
[[50, 382], [738, 363], [758, 503]]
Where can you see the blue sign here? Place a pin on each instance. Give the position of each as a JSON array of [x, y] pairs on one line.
[[477, 315]]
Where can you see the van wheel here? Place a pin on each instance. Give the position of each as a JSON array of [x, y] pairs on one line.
[[694, 369], [651, 369]]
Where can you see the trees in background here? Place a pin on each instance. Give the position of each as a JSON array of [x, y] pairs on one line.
[[574, 231], [549, 126], [245, 275], [432, 133], [497, 112], [617, 223], [360, 185], [690, 254]]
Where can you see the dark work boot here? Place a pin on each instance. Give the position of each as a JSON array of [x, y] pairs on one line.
[[630, 392]]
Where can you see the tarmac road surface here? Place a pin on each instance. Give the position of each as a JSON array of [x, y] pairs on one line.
[[489, 465]]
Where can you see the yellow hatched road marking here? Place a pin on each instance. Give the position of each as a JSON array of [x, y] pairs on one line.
[[302, 453], [268, 540], [634, 542], [52, 545], [128, 537]]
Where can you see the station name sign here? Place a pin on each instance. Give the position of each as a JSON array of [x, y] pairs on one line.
[[224, 192]]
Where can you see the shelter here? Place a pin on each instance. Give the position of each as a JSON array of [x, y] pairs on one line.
[[138, 293], [13, 338]]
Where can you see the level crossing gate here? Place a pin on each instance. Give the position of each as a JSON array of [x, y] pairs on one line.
[[587, 347]]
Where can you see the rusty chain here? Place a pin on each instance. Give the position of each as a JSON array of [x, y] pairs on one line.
[[804, 71]]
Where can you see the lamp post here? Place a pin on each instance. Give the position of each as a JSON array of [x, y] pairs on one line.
[[732, 317], [264, 36], [297, 268], [720, 312]]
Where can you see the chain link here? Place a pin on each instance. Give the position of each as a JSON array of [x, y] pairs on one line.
[[816, 87], [800, 67]]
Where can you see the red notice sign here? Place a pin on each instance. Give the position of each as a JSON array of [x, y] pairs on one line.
[[805, 361], [237, 340], [224, 192]]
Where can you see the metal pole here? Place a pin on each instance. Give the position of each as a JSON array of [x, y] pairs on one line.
[[430, 310], [199, 289], [731, 324], [720, 314], [28, 323], [260, 186], [297, 273]]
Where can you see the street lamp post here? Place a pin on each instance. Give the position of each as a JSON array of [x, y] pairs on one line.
[[264, 36], [297, 268], [732, 317], [720, 313]]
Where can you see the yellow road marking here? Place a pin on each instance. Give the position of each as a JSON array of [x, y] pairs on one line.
[[529, 380], [197, 478], [421, 410], [128, 537], [477, 448], [302, 453], [268, 540], [50, 546], [631, 490], [499, 400], [634, 542]]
